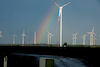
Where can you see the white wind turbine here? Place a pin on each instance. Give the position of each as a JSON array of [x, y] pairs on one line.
[[14, 36], [23, 35], [0, 33], [34, 37], [74, 38], [91, 36], [49, 37], [60, 19], [84, 38]]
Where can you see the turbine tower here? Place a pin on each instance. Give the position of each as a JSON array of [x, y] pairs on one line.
[[91, 36], [94, 40], [0, 33], [74, 38], [34, 37], [23, 35], [60, 19], [14, 38], [99, 36], [84, 38], [48, 36]]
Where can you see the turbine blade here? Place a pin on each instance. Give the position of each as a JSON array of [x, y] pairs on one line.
[[25, 35], [48, 32], [56, 3], [94, 34], [76, 33], [93, 29], [66, 4]]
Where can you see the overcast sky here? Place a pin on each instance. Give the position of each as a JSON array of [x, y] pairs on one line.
[[18, 15]]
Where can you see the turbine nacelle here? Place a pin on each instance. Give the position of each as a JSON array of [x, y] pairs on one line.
[[83, 36], [92, 32], [63, 5], [23, 34], [89, 32], [49, 33]]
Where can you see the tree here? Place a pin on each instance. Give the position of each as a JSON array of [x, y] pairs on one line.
[[65, 44]]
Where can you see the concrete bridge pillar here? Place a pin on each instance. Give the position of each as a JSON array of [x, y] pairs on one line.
[[5, 61], [46, 62]]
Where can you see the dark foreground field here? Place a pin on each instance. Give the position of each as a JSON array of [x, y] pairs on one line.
[[91, 56]]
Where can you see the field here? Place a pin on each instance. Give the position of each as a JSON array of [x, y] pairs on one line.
[[51, 45]]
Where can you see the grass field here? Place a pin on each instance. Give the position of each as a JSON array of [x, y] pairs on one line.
[[51, 45]]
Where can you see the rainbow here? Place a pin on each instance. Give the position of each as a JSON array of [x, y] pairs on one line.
[[47, 21]]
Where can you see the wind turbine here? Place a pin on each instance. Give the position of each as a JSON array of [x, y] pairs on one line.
[[0, 33], [23, 35], [91, 36], [48, 36], [34, 37], [84, 38], [74, 38], [60, 19], [14, 38]]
